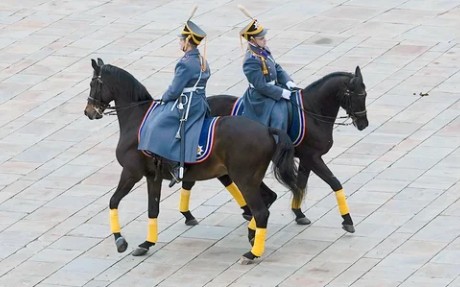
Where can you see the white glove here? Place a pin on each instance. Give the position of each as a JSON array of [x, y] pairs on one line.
[[291, 85], [286, 94]]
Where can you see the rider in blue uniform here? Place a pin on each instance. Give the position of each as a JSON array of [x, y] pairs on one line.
[[267, 97], [185, 98]]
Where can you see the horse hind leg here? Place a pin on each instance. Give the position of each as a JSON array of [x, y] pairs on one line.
[[268, 195], [236, 193], [184, 206], [302, 180], [257, 233], [126, 183], [154, 191], [257, 228]]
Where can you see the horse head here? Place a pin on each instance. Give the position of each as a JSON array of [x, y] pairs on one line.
[[99, 94], [355, 100]]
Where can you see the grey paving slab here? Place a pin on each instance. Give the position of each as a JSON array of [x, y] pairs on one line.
[[401, 174]]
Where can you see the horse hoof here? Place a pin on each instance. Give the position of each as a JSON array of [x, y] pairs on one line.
[[247, 217], [303, 221], [245, 261], [139, 251], [191, 222], [247, 258], [348, 228], [121, 244]]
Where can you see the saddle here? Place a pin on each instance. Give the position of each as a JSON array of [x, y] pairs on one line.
[[297, 124]]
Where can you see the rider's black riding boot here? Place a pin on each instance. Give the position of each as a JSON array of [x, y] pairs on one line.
[[175, 170]]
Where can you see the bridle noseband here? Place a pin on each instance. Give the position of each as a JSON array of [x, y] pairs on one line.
[[349, 109], [99, 105]]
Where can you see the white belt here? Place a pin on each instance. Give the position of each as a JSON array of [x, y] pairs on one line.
[[268, 83], [191, 89]]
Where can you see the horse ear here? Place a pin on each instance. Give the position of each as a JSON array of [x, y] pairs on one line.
[[358, 73], [100, 62], [96, 67]]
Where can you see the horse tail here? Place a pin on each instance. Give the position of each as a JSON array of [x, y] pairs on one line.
[[284, 167]]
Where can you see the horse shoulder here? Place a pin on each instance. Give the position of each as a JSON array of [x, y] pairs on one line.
[[318, 138]]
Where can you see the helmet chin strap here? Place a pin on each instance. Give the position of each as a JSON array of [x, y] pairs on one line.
[[254, 43], [186, 43]]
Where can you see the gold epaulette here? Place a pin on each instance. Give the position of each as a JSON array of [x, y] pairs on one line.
[[263, 61]]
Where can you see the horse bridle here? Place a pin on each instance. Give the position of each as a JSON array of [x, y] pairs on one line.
[[350, 112], [105, 108], [99, 105], [332, 120]]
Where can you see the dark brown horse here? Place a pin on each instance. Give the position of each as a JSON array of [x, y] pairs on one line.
[[321, 103], [242, 150]]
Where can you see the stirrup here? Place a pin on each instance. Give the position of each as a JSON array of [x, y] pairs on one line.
[[175, 176]]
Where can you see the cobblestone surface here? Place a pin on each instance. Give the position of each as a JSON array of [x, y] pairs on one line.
[[401, 174]]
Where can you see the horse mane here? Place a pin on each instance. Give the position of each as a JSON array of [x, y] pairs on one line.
[[136, 89], [321, 81]]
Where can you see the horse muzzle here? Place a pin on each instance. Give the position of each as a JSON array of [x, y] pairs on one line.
[[92, 112], [360, 123], [359, 119]]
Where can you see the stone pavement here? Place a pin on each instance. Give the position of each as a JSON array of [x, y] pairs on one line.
[[401, 174]]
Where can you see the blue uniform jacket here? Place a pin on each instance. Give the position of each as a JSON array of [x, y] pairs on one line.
[[161, 126], [262, 100]]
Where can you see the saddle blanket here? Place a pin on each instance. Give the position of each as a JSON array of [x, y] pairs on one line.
[[297, 123], [205, 142]]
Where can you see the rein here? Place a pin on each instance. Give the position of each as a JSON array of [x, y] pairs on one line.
[[325, 119], [112, 110], [318, 117]]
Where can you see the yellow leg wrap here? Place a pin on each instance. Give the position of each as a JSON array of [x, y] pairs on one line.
[[342, 202], [184, 200], [236, 193], [114, 221], [259, 242], [295, 204], [252, 224], [152, 231]]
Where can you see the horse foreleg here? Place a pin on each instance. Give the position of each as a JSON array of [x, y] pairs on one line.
[[126, 183], [320, 169], [302, 179], [154, 192], [252, 230], [184, 204], [236, 194]]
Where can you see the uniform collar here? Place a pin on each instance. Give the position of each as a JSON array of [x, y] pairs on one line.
[[192, 52], [258, 50]]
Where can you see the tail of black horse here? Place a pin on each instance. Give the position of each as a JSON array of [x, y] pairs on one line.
[[284, 167]]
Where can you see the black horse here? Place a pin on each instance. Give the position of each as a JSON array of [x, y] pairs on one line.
[[242, 149], [321, 103]]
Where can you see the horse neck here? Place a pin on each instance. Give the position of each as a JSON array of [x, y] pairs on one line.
[[325, 99], [129, 112], [130, 119]]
